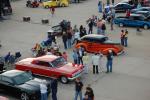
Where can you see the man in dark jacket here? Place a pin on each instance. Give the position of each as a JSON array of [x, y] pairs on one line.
[[54, 85], [78, 89]]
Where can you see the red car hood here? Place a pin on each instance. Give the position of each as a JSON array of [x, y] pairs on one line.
[[70, 68]]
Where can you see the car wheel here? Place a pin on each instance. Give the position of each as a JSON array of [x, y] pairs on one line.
[[63, 5], [145, 26], [24, 96], [64, 79], [121, 24], [46, 7]]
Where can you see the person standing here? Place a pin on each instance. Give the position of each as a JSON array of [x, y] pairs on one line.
[[54, 85], [78, 89], [126, 38], [52, 10], [80, 55], [75, 56], [112, 22], [103, 28], [122, 37], [43, 89], [95, 63], [100, 6], [64, 38], [91, 23], [99, 26], [100, 61], [85, 62], [109, 61], [128, 13]]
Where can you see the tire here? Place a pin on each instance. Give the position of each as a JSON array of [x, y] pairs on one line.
[[63, 5], [120, 24], [24, 96], [46, 7], [145, 26], [64, 79]]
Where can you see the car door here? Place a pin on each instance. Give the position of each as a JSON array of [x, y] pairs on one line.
[[130, 21], [137, 21], [43, 68], [89, 43], [8, 85]]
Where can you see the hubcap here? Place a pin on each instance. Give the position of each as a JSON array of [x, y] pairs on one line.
[[64, 79], [24, 96], [145, 27]]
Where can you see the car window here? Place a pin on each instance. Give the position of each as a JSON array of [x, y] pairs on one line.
[[22, 78], [119, 5], [42, 63], [6, 79], [88, 39], [58, 62]]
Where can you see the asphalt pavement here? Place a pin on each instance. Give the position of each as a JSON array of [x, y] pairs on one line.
[[130, 79]]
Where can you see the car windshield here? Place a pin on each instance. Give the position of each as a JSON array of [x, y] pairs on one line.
[[22, 78], [58, 62]]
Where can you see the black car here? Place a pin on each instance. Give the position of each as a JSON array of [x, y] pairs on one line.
[[140, 9], [145, 13], [21, 84], [123, 7]]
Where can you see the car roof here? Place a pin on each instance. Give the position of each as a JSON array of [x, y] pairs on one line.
[[47, 58], [93, 36], [12, 73], [142, 12], [135, 14]]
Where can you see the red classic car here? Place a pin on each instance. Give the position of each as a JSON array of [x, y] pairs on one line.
[[51, 66]]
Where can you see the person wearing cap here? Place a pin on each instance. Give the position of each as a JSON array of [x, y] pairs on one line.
[[109, 61], [85, 62]]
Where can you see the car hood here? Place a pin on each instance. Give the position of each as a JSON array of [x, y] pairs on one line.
[[69, 68], [32, 85], [112, 42]]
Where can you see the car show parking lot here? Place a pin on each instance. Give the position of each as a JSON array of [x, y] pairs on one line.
[[130, 79]]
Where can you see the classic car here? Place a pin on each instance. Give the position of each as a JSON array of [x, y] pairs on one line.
[[56, 3], [21, 84], [99, 43], [134, 20], [140, 9], [51, 66]]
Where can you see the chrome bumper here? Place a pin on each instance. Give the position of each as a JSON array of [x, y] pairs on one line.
[[76, 76]]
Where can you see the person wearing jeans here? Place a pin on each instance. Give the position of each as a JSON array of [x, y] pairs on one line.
[[43, 89], [109, 61], [78, 89]]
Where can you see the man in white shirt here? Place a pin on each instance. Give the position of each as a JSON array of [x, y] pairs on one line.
[[95, 63], [43, 89]]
